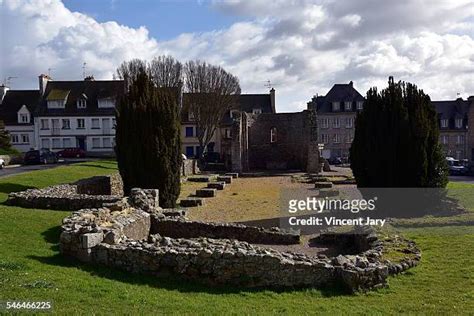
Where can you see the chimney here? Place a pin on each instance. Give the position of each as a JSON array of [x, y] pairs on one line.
[[3, 92], [43, 81], [351, 83], [272, 100]]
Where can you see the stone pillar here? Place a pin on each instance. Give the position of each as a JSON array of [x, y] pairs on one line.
[[312, 164], [236, 146]]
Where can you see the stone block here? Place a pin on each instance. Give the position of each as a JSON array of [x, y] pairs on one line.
[[232, 174], [206, 192], [90, 240], [226, 179], [199, 179], [323, 185], [191, 202], [216, 185]]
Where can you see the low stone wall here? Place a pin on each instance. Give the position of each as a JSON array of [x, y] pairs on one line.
[[59, 197], [118, 236], [182, 228], [101, 185]]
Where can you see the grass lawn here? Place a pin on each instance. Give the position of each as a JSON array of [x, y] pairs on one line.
[[32, 269]]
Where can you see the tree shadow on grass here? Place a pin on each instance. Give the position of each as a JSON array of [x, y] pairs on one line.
[[13, 187], [170, 281], [96, 166]]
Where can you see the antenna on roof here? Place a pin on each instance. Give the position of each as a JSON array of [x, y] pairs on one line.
[[84, 70], [7, 81], [269, 84]]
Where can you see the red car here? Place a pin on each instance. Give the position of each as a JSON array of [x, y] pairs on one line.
[[72, 153]]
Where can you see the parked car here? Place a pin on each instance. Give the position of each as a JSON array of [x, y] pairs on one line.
[[456, 167], [43, 156], [2, 163], [335, 161], [212, 157], [72, 153]]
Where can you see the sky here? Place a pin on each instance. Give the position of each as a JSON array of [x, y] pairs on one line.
[[303, 47]]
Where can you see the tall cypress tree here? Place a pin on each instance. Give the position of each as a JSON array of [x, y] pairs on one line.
[[396, 140], [5, 141], [148, 144]]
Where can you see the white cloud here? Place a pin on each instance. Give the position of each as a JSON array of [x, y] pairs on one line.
[[303, 47]]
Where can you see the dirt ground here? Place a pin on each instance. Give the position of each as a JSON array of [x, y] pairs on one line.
[[244, 200]]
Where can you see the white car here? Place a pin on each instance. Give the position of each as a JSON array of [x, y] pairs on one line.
[[2, 163]]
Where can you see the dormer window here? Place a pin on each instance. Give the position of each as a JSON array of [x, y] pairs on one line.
[[106, 103], [360, 105], [257, 111], [57, 98], [81, 103], [348, 106], [444, 123], [23, 115], [458, 123], [336, 106]]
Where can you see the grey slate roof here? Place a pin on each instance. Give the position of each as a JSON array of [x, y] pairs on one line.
[[452, 110], [338, 93], [13, 101], [74, 90]]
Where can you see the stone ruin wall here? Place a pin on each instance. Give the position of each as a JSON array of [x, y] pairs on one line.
[[122, 235]]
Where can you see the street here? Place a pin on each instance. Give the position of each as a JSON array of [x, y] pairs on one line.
[[16, 169]]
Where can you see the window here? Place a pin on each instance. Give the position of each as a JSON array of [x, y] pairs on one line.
[[234, 113], [14, 138], [56, 104], [198, 151], [348, 106], [56, 143], [81, 123], [66, 124], [257, 111], [324, 138], [44, 124], [25, 138], [191, 116], [114, 123], [349, 122], [189, 151], [444, 123], [106, 103], [95, 123], [113, 141], [81, 103], [458, 123], [460, 140], [360, 105], [107, 142], [335, 122], [189, 131], [273, 135], [336, 139], [67, 142], [24, 118], [96, 142], [227, 133], [336, 106], [324, 123], [444, 139], [45, 143], [459, 154]]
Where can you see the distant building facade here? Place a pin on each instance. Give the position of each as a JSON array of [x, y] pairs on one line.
[[336, 112]]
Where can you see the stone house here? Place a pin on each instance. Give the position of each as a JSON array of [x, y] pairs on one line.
[[453, 126], [336, 113]]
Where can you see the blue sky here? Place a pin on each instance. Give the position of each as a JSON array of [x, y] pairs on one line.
[[164, 19]]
